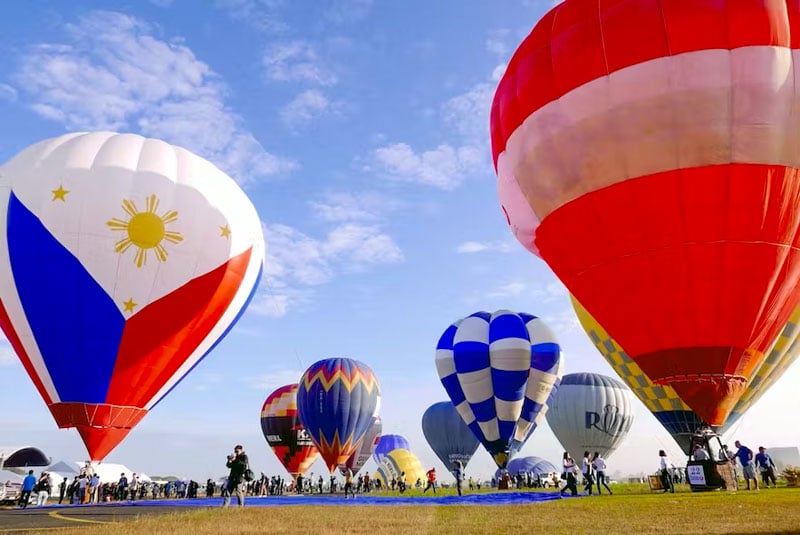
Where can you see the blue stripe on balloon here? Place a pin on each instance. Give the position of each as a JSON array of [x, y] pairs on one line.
[[507, 325], [509, 385], [453, 389], [530, 409], [527, 318], [76, 324], [677, 422], [482, 315], [506, 428], [471, 356], [484, 410], [477, 432], [446, 340], [545, 357]]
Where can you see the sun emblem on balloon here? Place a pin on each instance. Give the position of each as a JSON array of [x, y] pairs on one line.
[[145, 230]]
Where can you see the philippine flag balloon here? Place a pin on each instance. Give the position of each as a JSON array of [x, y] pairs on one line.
[[500, 370], [123, 261], [285, 434], [648, 151], [337, 399]]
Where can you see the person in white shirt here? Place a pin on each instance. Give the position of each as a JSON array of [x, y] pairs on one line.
[[588, 473], [570, 471], [666, 473], [700, 454], [599, 465]]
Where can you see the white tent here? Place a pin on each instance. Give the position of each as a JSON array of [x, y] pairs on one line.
[[110, 472]]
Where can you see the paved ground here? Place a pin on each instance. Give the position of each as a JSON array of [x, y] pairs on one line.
[[22, 520]]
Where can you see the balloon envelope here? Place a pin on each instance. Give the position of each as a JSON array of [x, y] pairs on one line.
[[499, 370], [673, 414], [123, 261], [365, 448], [591, 412], [284, 432], [388, 443], [531, 464], [337, 399], [659, 177], [398, 461], [447, 434]]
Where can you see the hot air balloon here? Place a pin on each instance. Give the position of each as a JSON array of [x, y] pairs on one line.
[[396, 462], [123, 261], [528, 465], [677, 417], [388, 443], [646, 150], [337, 399], [590, 412], [285, 434], [499, 370], [365, 448], [447, 434]]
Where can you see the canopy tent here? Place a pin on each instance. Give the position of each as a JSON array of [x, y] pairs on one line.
[[110, 472], [21, 457]]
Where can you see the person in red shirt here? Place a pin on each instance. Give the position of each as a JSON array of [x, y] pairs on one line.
[[431, 481]]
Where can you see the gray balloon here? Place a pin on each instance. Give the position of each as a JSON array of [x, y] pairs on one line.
[[447, 434]]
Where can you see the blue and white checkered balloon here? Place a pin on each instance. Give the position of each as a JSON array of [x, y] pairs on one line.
[[500, 370]]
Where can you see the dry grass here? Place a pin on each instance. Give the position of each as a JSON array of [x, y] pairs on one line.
[[767, 511]]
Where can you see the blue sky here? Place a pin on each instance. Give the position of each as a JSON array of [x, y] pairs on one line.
[[359, 129]]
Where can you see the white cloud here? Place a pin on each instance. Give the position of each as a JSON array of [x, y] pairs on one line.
[[470, 247], [274, 379], [444, 167], [296, 262], [296, 61], [262, 15], [7, 356], [497, 42], [7, 93], [113, 74], [305, 107], [367, 206], [348, 11], [466, 118], [511, 289]]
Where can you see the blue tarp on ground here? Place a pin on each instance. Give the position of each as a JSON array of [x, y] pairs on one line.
[[494, 498]]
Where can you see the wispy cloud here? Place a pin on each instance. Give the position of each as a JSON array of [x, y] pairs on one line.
[[444, 167], [296, 61], [471, 247], [263, 15], [7, 356], [449, 164], [274, 379], [7, 93], [112, 73], [510, 289], [296, 262], [348, 11], [306, 106], [497, 42], [366, 206], [541, 294]]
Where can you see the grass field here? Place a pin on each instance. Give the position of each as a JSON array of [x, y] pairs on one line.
[[632, 509]]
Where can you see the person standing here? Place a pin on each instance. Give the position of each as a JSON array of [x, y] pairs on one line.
[[238, 463], [745, 456], [599, 465], [588, 473], [459, 473], [666, 472], [348, 484], [766, 466], [43, 488], [569, 473], [62, 490], [431, 474], [27, 488]]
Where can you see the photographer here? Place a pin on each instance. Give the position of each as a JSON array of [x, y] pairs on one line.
[[239, 464]]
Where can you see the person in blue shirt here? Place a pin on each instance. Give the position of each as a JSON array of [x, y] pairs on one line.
[[745, 456], [27, 487], [766, 466]]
